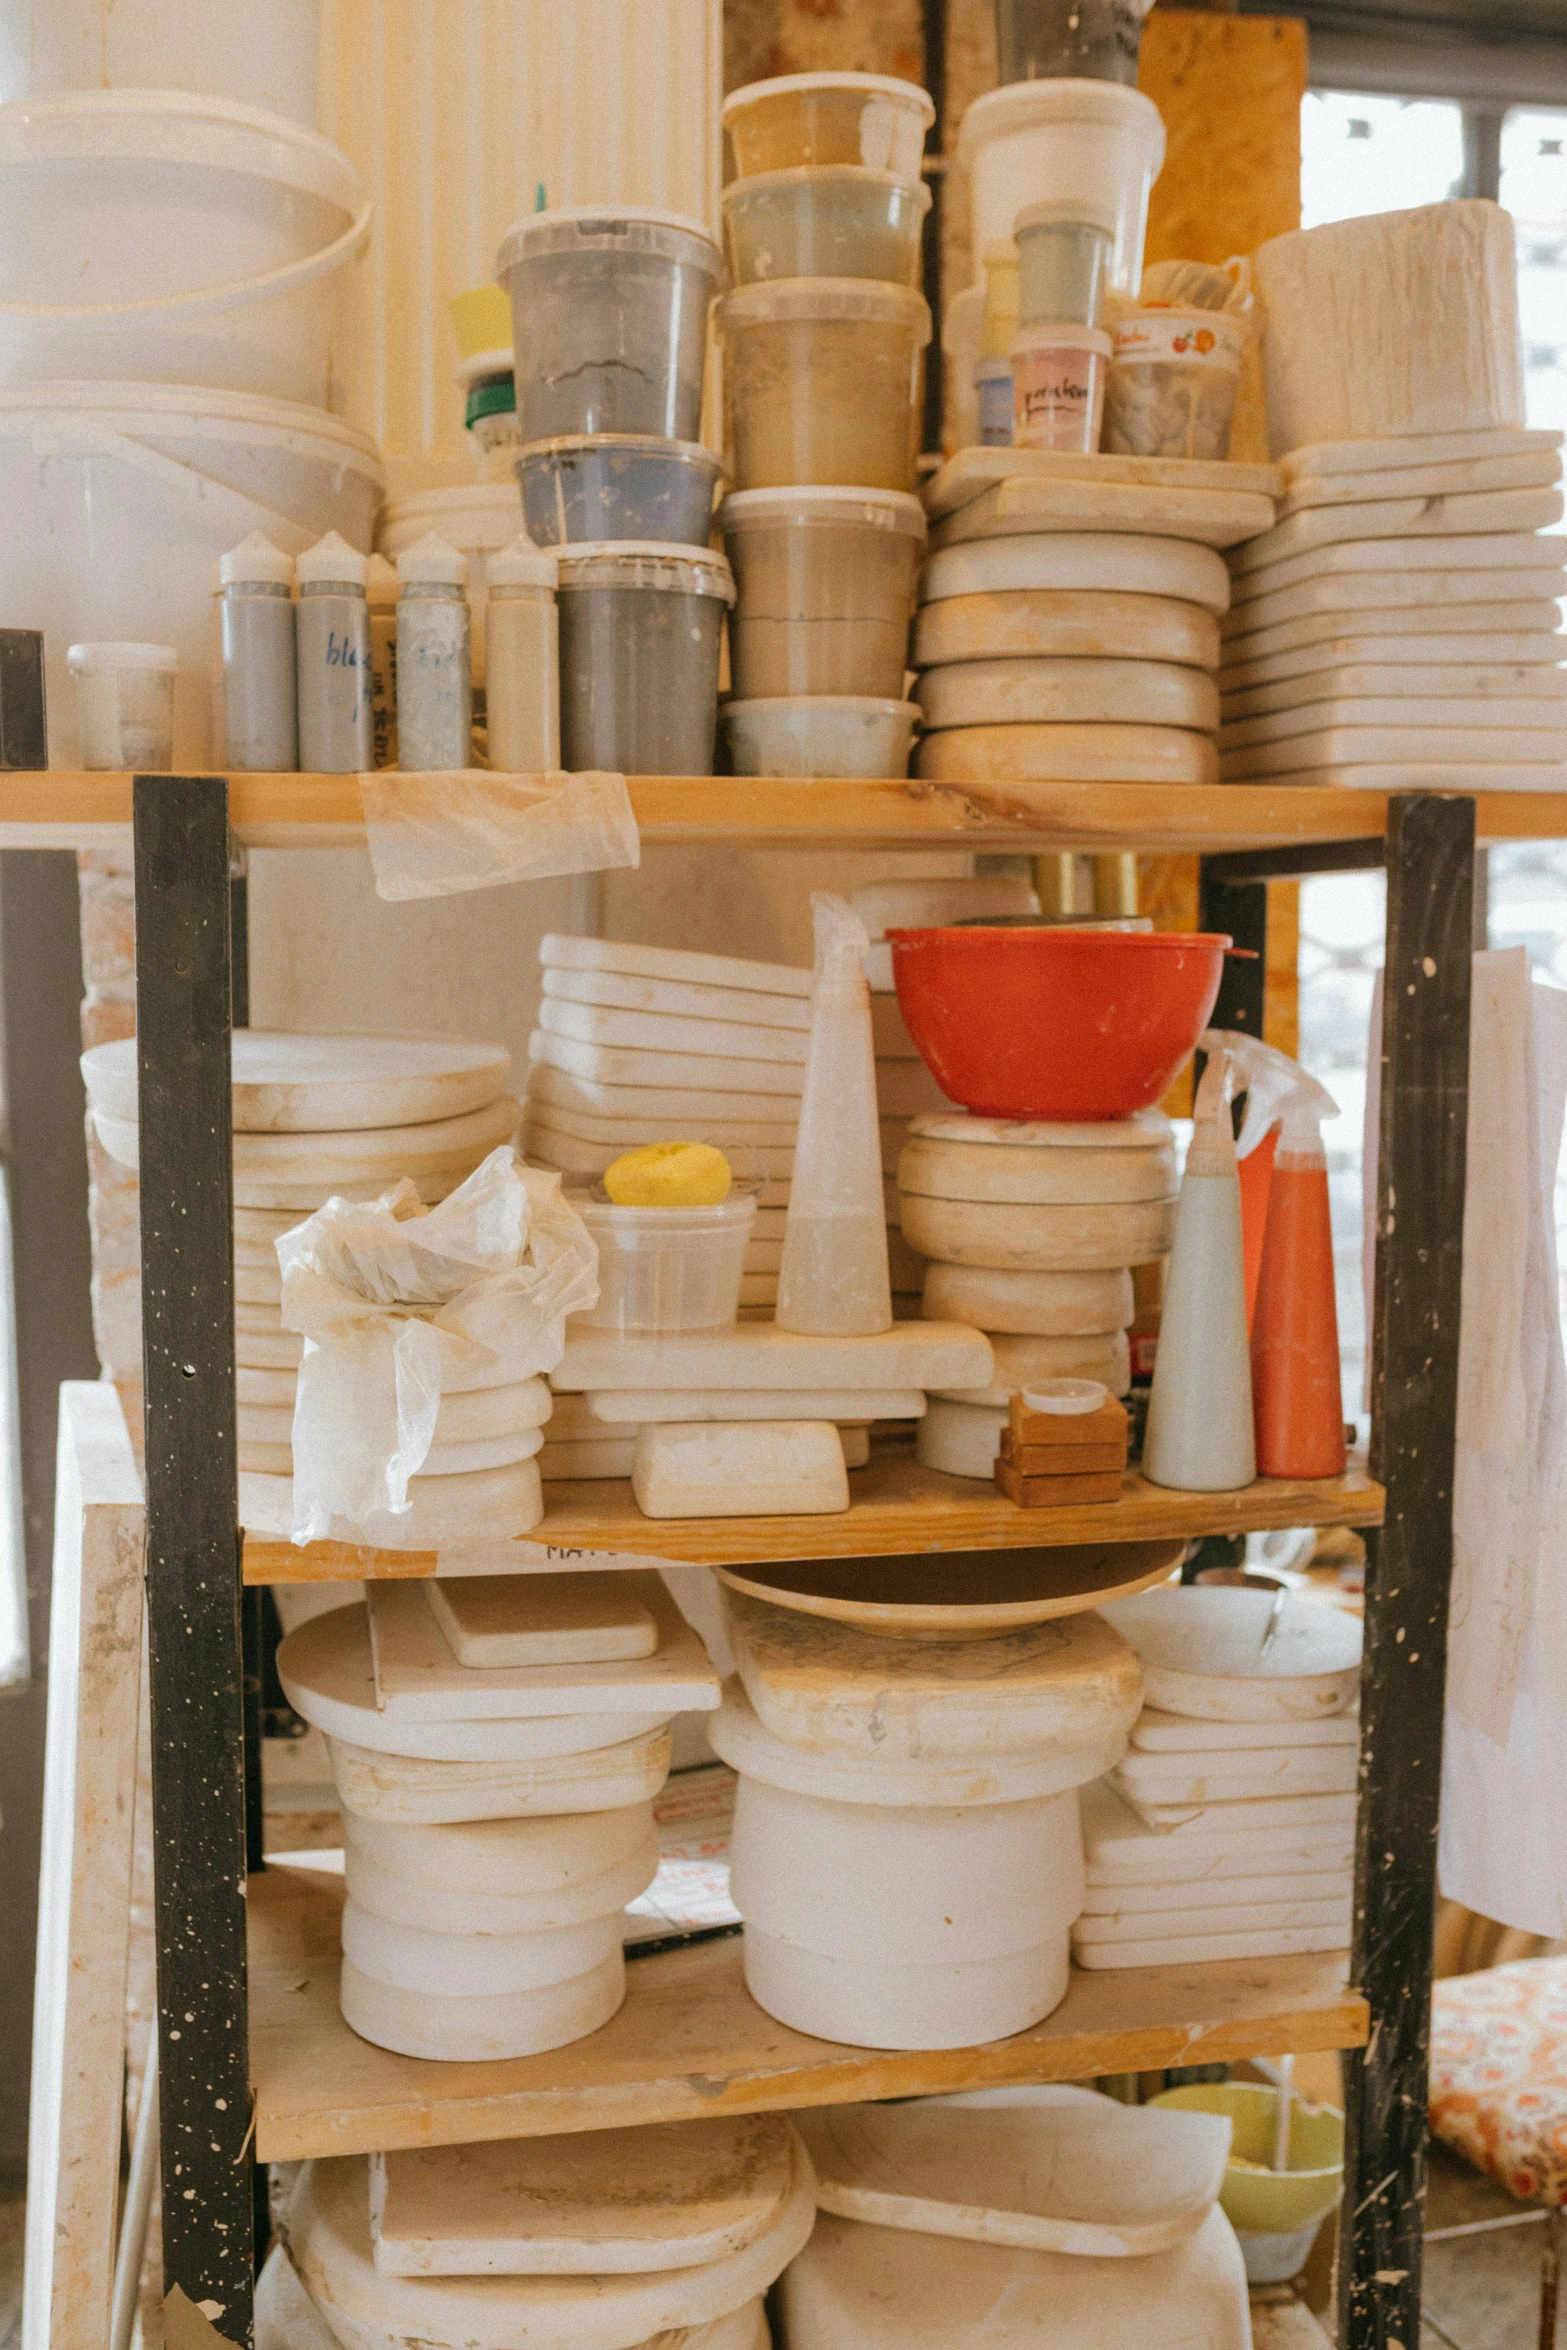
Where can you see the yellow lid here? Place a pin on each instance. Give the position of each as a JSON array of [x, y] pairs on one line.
[[481, 320]]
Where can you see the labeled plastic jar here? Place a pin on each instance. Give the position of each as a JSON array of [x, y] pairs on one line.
[[1058, 385], [609, 320], [1170, 390], [822, 382], [640, 629], [834, 220], [993, 388], [125, 705], [583, 487], [868, 118], [825, 582], [1063, 249], [667, 1268]]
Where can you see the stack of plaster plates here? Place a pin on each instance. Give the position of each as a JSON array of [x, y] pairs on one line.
[[1015, 2217], [496, 1742], [654, 1044], [906, 1850], [1398, 628], [601, 2241], [1032, 1231], [1228, 1829]]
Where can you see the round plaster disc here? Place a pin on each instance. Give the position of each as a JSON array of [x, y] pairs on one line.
[[1019, 1362], [960, 1595], [1045, 692], [870, 2005], [267, 1391], [1068, 754], [257, 1284], [505, 1860], [287, 1083], [475, 1966], [465, 2031], [411, 1791], [442, 1510], [1124, 562], [488, 1412], [960, 1439], [328, 1677], [1065, 623], [268, 1350], [1041, 1305], [1041, 1239], [377, 1891], [1221, 1655], [938, 1169], [285, 2316]]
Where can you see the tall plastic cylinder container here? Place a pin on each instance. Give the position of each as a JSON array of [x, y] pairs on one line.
[[1199, 1436], [257, 655], [336, 728], [640, 631], [1034, 140], [825, 582], [434, 659], [522, 695], [822, 382]]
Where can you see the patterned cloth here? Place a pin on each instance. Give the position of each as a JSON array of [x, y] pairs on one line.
[[1499, 2074]]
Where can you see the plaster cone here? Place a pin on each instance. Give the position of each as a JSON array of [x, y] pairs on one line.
[[1199, 1435], [834, 1279]]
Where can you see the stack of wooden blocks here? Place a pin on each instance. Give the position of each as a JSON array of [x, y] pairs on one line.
[[1052, 1457]]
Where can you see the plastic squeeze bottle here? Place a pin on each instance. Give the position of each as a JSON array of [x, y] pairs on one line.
[[522, 637], [256, 649], [1199, 1433], [333, 623], [434, 658], [833, 1281]]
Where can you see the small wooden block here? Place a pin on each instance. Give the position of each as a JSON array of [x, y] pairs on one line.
[[1060, 1460], [1106, 1425], [541, 1619], [1042, 1493]]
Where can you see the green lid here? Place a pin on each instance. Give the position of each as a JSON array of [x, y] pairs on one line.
[[495, 396]]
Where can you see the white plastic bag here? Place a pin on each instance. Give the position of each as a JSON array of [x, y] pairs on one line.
[[395, 1302], [432, 836]]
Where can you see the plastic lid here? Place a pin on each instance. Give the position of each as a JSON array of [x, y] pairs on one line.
[[621, 444], [876, 85], [1059, 334], [775, 300], [121, 656], [255, 562], [381, 581], [799, 175], [432, 562], [1065, 1398], [1067, 212], [332, 562], [496, 396], [481, 318], [522, 564], [1063, 98], [893, 510], [638, 228], [646, 563]]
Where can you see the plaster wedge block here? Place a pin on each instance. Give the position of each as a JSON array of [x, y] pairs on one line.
[[630, 1406], [542, 1619], [759, 1355], [740, 1468]]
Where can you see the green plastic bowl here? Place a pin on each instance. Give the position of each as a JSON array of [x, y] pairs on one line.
[[1269, 2202]]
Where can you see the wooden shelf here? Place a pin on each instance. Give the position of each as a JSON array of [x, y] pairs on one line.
[[898, 1506], [79, 810], [690, 2042]]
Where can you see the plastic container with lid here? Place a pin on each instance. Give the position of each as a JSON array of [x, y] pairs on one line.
[[1091, 140], [259, 705], [588, 486], [1058, 385], [609, 319], [641, 626], [332, 625], [867, 118], [821, 734], [822, 382], [480, 518], [993, 386], [125, 702], [1063, 250], [1050, 39], [825, 584], [825, 220], [489, 391], [434, 658], [1170, 391], [522, 699], [668, 1268]]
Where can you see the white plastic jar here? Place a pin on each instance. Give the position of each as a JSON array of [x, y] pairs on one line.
[[434, 659], [522, 692], [125, 700]]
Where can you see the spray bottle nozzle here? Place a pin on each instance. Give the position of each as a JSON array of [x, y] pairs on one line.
[[1278, 1092]]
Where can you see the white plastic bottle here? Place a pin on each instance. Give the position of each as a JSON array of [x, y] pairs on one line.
[[522, 660], [260, 702], [333, 625], [434, 659], [833, 1281], [1199, 1435]]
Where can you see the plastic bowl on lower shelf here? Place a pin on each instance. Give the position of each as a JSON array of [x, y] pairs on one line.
[[821, 734], [1275, 2214]]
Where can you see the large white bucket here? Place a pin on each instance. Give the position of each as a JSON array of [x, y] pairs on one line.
[[263, 54], [1031, 141], [118, 500], [155, 236]]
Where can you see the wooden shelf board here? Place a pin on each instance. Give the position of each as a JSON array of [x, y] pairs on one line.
[[690, 2042], [898, 1506], [73, 809]]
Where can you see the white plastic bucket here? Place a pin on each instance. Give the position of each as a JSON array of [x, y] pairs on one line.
[[152, 235], [480, 518], [119, 500], [1030, 141], [260, 56]]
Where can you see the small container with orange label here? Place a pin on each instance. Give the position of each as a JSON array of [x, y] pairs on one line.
[[1058, 385], [1171, 385]]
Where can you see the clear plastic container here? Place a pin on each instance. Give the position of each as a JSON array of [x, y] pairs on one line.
[[1076, 138], [609, 318], [640, 631], [1058, 385], [823, 734], [666, 1269], [125, 705], [993, 388], [1087, 40], [1170, 390], [796, 118], [1063, 249], [582, 487], [822, 382], [825, 580], [834, 220]]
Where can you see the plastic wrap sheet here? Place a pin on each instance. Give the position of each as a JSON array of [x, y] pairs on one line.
[[433, 836]]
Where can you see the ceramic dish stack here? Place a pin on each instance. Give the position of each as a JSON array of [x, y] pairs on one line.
[[1069, 611], [1397, 629], [496, 1741], [1032, 1231], [889, 1787], [606, 2240], [1014, 2217], [1228, 1829]]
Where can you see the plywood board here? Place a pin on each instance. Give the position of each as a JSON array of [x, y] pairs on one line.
[[1454, 476], [1505, 751], [1532, 613], [1500, 551], [1379, 591], [1543, 722], [1372, 454], [559, 953], [624, 992], [608, 1064]]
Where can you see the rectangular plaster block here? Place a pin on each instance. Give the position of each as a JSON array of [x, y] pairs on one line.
[[751, 1468]]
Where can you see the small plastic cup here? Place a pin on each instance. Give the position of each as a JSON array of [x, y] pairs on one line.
[[1170, 386], [125, 705], [666, 1269], [1065, 1399], [1063, 248], [821, 734], [993, 384], [1058, 378]]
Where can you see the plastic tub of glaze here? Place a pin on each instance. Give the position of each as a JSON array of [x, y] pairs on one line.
[[1079, 138], [1170, 388], [663, 1269], [1058, 385], [837, 220], [582, 487], [609, 320], [640, 630], [823, 118], [825, 582], [125, 704], [993, 385], [822, 382], [824, 734], [1063, 250]]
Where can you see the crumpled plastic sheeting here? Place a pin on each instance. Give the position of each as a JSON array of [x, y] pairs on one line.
[[433, 836], [395, 1302]]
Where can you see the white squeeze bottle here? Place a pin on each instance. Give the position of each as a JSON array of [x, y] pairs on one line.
[[1199, 1433], [833, 1280]]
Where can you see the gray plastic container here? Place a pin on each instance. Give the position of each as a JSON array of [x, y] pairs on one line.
[[609, 321], [1088, 40], [591, 486], [640, 629], [1063, 260]]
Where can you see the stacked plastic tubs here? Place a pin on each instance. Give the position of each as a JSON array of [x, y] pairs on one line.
[[824, 337], [609, 317]]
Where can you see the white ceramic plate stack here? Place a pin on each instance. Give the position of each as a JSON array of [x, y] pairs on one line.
[[1397, 630], [1228, 1829], [1014, 2217], [600, 2241], [888, 1789], [1032, 1230], [496, 1741]]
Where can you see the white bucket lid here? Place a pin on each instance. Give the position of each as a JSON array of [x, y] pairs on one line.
[[775, 301], [645, 563], [895, 510], [84, 659], [875, 85], [1023, 105], [177, 126], [1064, 334], [187, 410]]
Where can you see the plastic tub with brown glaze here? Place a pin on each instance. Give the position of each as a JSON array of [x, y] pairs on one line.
[[823, 378], [825, 578]]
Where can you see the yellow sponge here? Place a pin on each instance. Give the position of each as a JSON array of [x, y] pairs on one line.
[[669, 1175]]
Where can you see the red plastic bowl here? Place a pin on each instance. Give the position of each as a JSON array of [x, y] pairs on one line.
[[1055, 1023]]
